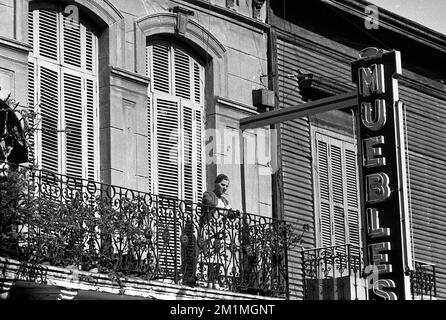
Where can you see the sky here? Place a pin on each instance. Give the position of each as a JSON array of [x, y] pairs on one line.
[[430, 13]]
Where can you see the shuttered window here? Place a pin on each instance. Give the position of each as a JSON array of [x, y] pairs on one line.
[[62, 76], [175, 122], [336, 189]]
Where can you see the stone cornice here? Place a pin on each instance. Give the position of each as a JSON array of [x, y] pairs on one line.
[[225, 13], [14, 44], [130, 76]]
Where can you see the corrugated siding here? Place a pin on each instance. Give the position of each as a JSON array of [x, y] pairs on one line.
[[426, 136], [298, 200], [296, 164]]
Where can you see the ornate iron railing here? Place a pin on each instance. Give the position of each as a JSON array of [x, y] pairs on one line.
[[66, 221], [327, 272], [423, 281]]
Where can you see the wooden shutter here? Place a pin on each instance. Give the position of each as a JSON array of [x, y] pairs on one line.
[[48, 34], [30, 134], [337, 187], [49, 107], [198, 83], [65, 53], [150, 143], [323, 176], [72, 108], [160, 61], [182, 74], [177, 82], [167, 138], [199, 142], [188, 152], [351, 173], [71, 36], [90, 129], [90, 50]]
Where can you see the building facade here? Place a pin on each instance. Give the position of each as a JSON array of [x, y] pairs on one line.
[[141, 101]]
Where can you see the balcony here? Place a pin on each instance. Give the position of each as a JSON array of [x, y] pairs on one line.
[[333, 273], [54, 221], [423, 281]]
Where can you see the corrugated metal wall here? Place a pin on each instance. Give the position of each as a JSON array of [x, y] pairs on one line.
[[298, 202], [426, 138]]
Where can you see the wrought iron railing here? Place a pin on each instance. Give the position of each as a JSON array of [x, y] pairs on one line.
[[327, 272], [423, 281], [65, 221]]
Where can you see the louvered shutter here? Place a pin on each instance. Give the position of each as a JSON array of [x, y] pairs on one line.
[[176, 78], [72, 107], [90, 49], [161, 71], [322, 174], [188, 152], [71, 36], [65, 53], [337, 185], [167, 138], [182, 74], [150, 143], [49, 108], [48, 34], [90, 131], [351, 172], [30, 133], [199, 142]]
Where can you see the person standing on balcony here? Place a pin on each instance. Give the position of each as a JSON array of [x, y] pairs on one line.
[[213, 230]]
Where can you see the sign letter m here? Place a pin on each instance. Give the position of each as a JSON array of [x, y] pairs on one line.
[[371, 80]]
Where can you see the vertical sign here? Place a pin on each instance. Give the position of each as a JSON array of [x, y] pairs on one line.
[[382, 173]]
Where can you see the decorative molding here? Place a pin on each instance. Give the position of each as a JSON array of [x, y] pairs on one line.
[[247, 109], [130, 76], [225, 13], [257, 7], [168, 23], [16, 45]]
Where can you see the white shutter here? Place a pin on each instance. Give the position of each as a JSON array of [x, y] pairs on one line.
[[31, 104], [351, 172], [197, 83], [182, 74], [90, 50], [161, 74], [72, 108], [322, 173], [90, 129], [337, 187], [177, 82], [167, 127], [188, 153], [150, 143], [48, 34], [71, 36], [200, 173], [49, 108], [66, 89]]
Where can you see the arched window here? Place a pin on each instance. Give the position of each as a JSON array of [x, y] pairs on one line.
[[63, 90], [175, 121]]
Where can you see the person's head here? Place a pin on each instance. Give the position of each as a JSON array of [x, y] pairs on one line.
[[221, 184]]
